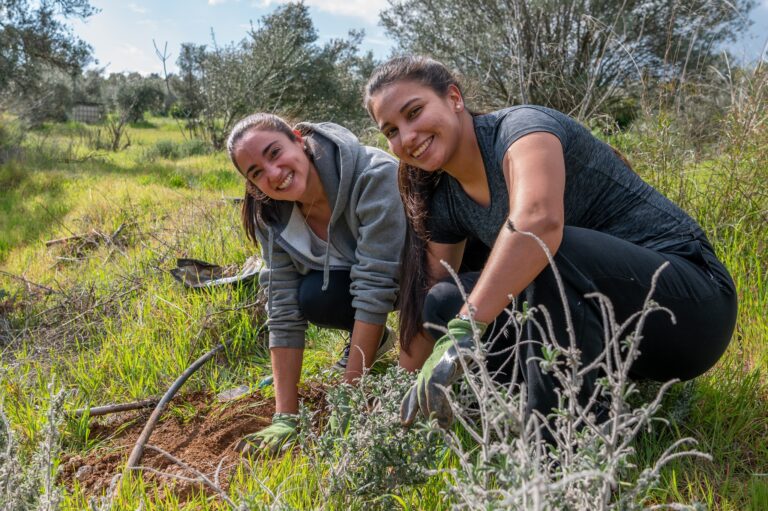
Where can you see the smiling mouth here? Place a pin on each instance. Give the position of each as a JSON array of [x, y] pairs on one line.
[[423, 147], [286, 182]]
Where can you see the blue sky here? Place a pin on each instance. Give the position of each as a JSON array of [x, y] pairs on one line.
[[121, 34]]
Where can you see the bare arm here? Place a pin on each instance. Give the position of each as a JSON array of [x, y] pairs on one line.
[[362, 348], [451, 253], [534, 170]]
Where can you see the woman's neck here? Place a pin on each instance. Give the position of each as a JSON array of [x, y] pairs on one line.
[[314, 203], [466, 165]]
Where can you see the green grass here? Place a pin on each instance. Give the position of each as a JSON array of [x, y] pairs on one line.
[[117, 327]]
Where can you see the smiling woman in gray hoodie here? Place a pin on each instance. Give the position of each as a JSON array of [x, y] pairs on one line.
[[327, 213]]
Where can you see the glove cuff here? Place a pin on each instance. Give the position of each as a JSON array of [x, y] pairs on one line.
[[465, 324], [286, 418]]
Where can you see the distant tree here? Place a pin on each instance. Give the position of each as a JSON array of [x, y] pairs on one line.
[[278, 67], [256, 73], [34, 38], [327, 86], [136, 97], [51, 101], [575, 55], [186, 84], [90, 87]]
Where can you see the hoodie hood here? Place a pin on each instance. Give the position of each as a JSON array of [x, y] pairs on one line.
[[366, 227]]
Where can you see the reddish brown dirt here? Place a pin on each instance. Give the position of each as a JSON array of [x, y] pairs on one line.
[[201, 434]]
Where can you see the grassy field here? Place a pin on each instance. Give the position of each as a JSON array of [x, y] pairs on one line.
[[101, 317]]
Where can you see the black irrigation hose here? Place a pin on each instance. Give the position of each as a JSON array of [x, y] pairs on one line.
[[138, 449]]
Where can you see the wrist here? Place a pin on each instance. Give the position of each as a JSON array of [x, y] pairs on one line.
[[465, 321], [292, 418]]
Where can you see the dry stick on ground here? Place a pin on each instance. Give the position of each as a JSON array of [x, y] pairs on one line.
[[199, 476], [121, 407], [28, 282]]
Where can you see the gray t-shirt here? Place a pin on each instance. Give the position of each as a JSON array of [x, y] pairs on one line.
[[601, 192]]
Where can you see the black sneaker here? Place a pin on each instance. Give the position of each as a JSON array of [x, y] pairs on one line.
[[386, 343]]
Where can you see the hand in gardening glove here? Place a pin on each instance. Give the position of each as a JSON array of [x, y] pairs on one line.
[[274, 438], [442, 368]]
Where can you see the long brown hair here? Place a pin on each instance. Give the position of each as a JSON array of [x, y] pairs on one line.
[[416, 189], [257, 206]]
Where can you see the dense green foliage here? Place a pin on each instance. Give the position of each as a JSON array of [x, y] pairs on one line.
[[581, 57]]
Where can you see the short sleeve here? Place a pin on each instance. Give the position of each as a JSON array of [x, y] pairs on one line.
[[520, 121]]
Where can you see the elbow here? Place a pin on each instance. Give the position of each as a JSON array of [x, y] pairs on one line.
[[546, 225]]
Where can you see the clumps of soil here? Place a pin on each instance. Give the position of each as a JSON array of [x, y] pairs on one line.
[[198, 430]]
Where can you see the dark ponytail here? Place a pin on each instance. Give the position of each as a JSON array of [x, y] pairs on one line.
[[416, 188]]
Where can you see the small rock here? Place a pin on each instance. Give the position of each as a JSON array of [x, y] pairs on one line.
[[83, 471], [231, 394]]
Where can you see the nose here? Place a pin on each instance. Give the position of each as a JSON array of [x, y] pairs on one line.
[[273, 173], [407, 137]]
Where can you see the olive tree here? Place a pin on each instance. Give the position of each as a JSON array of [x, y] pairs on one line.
[[578, 56], [278, 67], [34, 37]]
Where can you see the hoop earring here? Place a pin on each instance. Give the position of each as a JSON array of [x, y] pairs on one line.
[[256, 194]]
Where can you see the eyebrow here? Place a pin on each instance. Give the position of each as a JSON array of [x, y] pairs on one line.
[[263, 153], [402, 109]]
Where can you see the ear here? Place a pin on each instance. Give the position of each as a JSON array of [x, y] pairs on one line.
[[455, 97], [299, 137]]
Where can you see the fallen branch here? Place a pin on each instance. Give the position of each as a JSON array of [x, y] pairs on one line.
[[60, 241], [121, 407], [28, 282], [138, 450], [91, 237]]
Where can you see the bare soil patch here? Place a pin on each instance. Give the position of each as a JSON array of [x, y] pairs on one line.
[[199, 430]]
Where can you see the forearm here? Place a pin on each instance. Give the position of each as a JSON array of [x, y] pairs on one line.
[[286, 370], [420, 349], [363, 346], [515, 261]]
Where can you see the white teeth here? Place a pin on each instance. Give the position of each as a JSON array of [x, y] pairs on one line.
[[423, 147], [287, 181]]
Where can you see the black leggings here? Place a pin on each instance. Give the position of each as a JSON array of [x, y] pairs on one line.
[[331, 308], [696, 287]]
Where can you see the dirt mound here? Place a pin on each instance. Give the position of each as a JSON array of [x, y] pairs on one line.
[[198, 430]]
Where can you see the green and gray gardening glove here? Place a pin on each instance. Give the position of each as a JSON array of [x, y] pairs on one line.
[[274, 438], [441, 369]]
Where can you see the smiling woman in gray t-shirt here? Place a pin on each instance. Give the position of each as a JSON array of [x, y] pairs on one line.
[[495, 179]]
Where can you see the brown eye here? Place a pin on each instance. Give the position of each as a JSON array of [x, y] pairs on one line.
[[413, 113]]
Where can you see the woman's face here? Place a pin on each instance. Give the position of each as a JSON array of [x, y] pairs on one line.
[[422, 127], [277, 165]]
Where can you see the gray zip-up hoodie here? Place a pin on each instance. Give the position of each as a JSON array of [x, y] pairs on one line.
[[367, 227]]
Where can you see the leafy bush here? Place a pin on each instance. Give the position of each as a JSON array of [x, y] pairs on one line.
[[588, 463], [172, 150], [11, 137], [25, 484], [373, 454]]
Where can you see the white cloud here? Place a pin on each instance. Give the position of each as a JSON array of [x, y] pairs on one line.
[[130, 50], [216, 2], [367, 10], [137, 8]]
